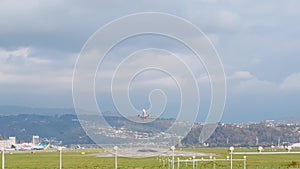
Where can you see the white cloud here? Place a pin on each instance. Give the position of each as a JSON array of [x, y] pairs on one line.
[[256, 61], [255, 85], [158, 62], [227, 19], [20, 71], [214, 20], [291, 83], [35, 80], [240, 75], [164, 81], [246, 82], [20, 56], [203, 79]]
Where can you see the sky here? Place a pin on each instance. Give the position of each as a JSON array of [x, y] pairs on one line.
[[257, 42]]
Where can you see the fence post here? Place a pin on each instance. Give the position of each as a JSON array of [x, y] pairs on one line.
[[245, 158], [3, 160], [193, 162], [214, 162]]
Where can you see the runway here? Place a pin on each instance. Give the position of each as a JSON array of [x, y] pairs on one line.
[[150, 152]]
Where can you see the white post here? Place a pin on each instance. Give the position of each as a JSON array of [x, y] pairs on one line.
[[231, 151], [116, 156], [60, 157], [3, 160], [173, 149], [245, 162], [230, 160], [193, 162], [178, 162], [214, 162]]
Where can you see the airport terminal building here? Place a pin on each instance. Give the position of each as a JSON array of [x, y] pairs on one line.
[[5, 144]]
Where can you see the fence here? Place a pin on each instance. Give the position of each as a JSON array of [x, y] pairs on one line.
[[198, 163]]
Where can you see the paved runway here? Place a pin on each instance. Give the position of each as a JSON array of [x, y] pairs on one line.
[[148, 152]]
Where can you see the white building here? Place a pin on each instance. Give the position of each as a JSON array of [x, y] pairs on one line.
[[35, 140], [12, 140], [6, 144]]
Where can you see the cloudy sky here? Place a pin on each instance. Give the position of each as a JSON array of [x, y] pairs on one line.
[[258, 44]]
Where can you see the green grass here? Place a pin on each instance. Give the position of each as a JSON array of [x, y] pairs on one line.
[[76, 160], [277, 161]]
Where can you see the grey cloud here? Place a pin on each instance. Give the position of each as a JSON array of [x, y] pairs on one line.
[[257, 41]]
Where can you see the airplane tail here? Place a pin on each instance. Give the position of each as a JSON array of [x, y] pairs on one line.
[[47, 146]]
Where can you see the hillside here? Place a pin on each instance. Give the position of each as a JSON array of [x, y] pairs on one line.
[[58, 128], [66, 129], [252, 134]]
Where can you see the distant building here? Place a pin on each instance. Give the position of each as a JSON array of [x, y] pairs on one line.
[[12, 140], [35, 140], [5, 144]]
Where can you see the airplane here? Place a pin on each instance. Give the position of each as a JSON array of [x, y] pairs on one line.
[[41, 146], [38, 147], [143, 115]]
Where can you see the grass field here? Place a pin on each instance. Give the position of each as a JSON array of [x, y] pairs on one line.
[[74, 159]]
